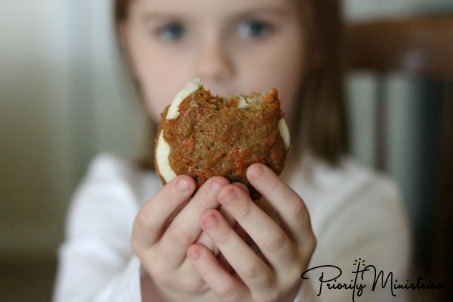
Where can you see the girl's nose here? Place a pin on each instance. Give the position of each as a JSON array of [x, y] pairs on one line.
[[215, 63]]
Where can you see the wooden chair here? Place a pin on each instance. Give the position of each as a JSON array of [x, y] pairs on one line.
[[422, 47]]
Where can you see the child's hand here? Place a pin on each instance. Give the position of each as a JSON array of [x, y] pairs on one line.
[[285, 250], [164, 229]]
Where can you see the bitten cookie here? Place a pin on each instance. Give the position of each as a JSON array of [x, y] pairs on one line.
[[202, 135]]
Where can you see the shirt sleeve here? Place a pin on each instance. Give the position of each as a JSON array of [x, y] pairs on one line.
[[95, 261]]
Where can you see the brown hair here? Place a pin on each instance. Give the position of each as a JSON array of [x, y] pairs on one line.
[[323, 128], [322, 107]]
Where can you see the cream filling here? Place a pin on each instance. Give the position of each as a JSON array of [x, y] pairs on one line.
[[245, 102], [162, 154], [163, 148], [284, 132], [190, 87]]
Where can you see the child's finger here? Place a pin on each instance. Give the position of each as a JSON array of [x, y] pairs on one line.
[[152, 217], [219, 280], [272, 241], [248, 265], [185, 227], [287, 203]]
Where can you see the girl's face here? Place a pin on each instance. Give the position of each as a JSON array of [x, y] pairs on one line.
[[233, 46]]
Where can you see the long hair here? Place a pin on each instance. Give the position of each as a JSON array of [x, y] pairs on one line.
[[323, 128], [322, 108]]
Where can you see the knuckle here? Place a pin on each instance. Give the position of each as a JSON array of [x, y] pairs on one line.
[[245, 210], [225, 290], [299, 212], [223, 238], [257, 273], [180, 236], [275, 241], [158, 271], [143, 221], [253, 270], [193, 284], [204, 203], [205, 199]]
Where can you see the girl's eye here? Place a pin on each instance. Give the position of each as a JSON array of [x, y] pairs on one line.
[[172, 31], [254, 28]]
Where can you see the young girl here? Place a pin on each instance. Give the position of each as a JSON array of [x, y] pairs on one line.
[[131, 239]]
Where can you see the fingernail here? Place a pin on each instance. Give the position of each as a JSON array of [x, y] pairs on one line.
[[211, 222], [256, 171], [183, 185], [215, 187], [229, 197], [195, 254]]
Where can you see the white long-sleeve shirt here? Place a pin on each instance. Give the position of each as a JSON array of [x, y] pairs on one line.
[[356, 216]]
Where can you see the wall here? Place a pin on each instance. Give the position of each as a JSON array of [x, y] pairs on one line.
[[413, 121], [35, 157], [63, 98], [372, 9]]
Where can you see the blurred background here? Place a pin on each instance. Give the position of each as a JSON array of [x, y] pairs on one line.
[[64, 98]]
